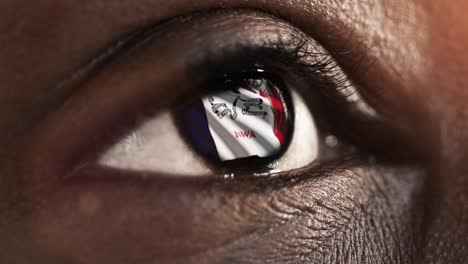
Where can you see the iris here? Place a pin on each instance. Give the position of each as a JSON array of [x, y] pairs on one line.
[[250, 118]]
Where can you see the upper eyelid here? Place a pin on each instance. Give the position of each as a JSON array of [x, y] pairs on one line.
[[132, 40], [135, 38], [286, 38]]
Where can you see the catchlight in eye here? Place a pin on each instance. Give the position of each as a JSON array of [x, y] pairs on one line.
[[250, 118]]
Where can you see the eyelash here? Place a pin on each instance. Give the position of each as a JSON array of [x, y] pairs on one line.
[[324, 78], [320, 70]]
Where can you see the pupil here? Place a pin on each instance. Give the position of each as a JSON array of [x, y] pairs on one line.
[[250, 119]]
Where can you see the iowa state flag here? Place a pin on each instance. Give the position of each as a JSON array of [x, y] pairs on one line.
[[240, 123]]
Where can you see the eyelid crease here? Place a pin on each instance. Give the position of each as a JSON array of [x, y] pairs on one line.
[[131, 41], [100, 59], [124, 45]]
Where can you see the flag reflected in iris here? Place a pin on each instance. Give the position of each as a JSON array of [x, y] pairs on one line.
[[251, 119]]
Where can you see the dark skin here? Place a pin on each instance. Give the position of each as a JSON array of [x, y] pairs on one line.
[[411, 211]]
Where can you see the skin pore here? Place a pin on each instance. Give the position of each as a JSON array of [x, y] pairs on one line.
[[407, 57]]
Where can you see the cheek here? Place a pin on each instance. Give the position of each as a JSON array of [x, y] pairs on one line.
[[314, 218]]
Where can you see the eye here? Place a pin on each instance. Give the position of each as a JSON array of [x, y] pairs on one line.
[[187, 98], [251, 123], [255, 118]]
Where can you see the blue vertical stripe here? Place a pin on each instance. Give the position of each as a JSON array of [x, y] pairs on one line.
[[199, 132]]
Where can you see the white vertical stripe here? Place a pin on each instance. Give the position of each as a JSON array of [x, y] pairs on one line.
[[263, 145]]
